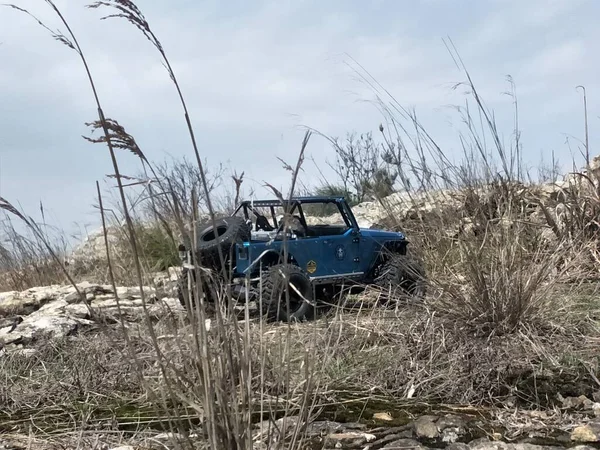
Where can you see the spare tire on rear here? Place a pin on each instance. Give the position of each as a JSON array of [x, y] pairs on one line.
[[224, 233]]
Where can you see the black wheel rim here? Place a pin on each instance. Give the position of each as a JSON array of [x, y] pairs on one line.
[[295, 299], [211, 235]]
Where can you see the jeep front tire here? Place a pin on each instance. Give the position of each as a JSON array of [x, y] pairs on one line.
[[402, 276]]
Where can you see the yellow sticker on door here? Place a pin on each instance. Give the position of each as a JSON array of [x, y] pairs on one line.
[[311, 266]]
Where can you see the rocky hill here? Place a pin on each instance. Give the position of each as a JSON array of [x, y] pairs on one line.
[[37, 314], [57, 311], [389, 354]]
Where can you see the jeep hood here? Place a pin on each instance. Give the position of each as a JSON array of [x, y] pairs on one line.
[[382, 235]]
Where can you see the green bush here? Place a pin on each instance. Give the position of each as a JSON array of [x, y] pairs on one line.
[[158, 250], [328, 191]]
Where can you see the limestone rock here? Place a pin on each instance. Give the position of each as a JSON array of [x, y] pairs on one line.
[[18, 303], [166, 279], [577, 402], [268, 431], [167, 305], [56, 311], [77, 311], [34, 327], [457, 446], [486, 444], [383, 416], [587, 433], [7, 300], [92, 249], [349, 438], [425, 427], [451, 427], [73, 297], [405, 444]]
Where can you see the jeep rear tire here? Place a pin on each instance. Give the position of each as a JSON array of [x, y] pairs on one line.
[[183, 290], [402, 276], [275, 282], [228, 230]]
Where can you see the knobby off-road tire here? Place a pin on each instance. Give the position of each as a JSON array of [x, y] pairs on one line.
[[402, 277], [275, 280], [182, 290], [228, 230]]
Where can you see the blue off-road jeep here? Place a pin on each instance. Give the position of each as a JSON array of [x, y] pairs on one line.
[[292, 261]]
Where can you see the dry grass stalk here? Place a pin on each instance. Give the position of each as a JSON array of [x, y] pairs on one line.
[[126, 9], [490, 325]]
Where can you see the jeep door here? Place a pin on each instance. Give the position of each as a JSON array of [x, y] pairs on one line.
[[339, 253], [328, 254]]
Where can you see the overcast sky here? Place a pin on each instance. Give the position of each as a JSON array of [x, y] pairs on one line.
[[255, 72]]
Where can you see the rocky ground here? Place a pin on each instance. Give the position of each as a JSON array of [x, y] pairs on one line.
[[57, 311], [449, 430]]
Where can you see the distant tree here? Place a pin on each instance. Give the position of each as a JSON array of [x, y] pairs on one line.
[[361, 169], [330, 190]]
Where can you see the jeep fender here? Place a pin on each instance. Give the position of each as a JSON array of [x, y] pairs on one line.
[[395, 246], [386, 249], [269, 257]]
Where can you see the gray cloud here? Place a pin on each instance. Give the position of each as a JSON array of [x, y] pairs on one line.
[[253, 74]]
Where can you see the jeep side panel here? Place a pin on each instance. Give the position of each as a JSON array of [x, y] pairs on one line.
[[319, 257], [373, 242], [369, 252], [337, 255]]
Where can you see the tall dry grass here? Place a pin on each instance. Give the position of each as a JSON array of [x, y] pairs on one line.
[[503, 253], [219, 375], [213, 374], [24, 259]]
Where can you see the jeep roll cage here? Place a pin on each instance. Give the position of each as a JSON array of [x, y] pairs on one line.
[[294, 205]]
